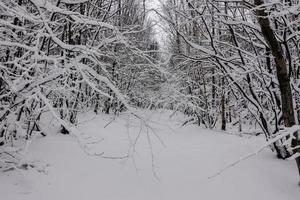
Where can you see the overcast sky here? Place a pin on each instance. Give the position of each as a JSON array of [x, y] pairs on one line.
[[160, 33]]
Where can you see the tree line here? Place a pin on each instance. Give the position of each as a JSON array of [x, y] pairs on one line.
[[237, 60]]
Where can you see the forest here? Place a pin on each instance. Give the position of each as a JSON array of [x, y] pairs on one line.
[[219, 66]]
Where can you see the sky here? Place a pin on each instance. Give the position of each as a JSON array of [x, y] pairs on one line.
[[160, 32]]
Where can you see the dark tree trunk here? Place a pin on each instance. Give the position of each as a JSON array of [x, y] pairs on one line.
[[282, 72], [223, 104], [223, 127]]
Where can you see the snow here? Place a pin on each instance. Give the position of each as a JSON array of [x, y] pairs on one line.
[[178, 168]]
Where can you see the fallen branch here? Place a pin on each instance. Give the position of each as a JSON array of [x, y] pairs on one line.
[[285, 132]]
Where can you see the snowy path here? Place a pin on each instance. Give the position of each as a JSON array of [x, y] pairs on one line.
[[191, 155]]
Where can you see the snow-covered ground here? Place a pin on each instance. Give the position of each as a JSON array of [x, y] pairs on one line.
[[178, 169]]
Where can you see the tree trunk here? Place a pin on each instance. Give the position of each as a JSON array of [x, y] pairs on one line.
[[223, 114], [223, 102], [282, 72]]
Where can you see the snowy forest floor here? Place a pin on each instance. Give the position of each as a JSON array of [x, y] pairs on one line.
[[179, 169]]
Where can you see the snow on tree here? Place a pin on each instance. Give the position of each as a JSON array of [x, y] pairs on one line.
[[68, 57]]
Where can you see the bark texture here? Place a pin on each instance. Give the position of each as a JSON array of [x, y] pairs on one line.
[[281, 70]]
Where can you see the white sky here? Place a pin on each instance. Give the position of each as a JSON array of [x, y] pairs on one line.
[[160, 33]]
